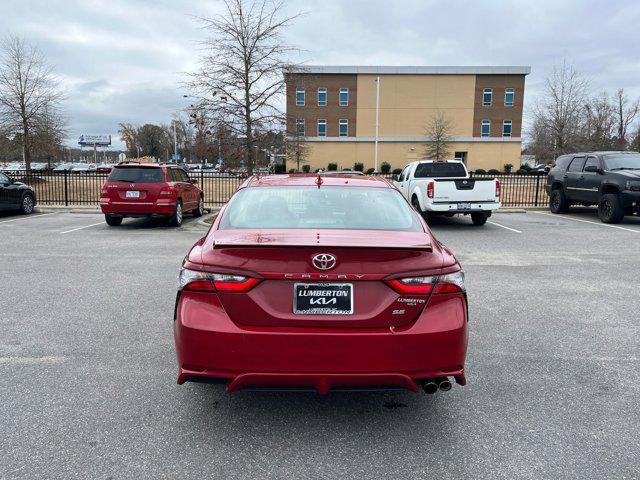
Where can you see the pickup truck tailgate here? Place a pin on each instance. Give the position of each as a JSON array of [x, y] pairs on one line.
[[465, 190]]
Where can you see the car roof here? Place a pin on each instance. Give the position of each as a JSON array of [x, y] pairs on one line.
[[598, 152], [300, 180]]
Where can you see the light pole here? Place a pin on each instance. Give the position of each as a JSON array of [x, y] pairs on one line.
[[175, 142], [375, 153]]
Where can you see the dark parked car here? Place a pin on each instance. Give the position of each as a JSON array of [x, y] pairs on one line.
[[610, 180], [16, 195]]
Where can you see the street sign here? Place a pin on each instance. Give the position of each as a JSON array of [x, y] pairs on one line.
[[176, 157]]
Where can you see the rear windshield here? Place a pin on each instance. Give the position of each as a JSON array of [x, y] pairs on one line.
[[440, 170], [630, 161], [136, 175], [332, 208]]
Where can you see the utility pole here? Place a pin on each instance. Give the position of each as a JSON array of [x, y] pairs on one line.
[[175, 142], [375, 155]]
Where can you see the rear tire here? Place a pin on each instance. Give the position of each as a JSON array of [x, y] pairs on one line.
[[479, 219], [558, 202], [176, 218], [27, 204], [416, 204], [113, 221], [609, 209], [199, 211]]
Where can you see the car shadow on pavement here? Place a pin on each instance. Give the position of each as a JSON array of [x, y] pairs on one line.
[[291, 413], [153, 223]]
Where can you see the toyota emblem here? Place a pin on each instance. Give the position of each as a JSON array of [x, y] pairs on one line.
[[324, 261]]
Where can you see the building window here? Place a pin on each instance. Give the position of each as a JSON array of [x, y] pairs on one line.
[[461, 157], [486, 128], [322, 97], [300, 97], [487, 95], [344, 127], [509, 95], [344, 97], [300, 127], [506, 128], [322, 128]]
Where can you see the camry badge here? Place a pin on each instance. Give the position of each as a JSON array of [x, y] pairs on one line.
[[324, 261]]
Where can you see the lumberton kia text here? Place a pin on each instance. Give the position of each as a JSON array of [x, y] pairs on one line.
[[324, 283]]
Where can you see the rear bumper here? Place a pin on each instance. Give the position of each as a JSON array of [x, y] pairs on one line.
[[163, 208], [210, 346], [453, 207]]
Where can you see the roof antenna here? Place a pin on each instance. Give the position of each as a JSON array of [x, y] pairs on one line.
[[319, 180]]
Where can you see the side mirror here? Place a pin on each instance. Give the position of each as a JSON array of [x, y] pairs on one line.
[[592, 169], [395, 178], [193, 181]]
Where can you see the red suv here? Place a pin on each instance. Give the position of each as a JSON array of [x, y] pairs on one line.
[[325, 282], [149, 190]]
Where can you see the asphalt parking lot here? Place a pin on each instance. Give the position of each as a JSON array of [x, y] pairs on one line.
[[87, 365]]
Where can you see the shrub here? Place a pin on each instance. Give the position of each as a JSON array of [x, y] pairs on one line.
[[480, 171], [508, 167], [306, 168], [358, 167], [370, 171], [525, 167], [332, 167], [279, 169], [522, 171], [493, 171], [397, 171], [385, 167]]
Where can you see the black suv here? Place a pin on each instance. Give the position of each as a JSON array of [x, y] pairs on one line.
[[610, 180], [16, 195]]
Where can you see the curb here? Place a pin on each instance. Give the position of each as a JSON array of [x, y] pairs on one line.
[[67, 209], [212, 214]]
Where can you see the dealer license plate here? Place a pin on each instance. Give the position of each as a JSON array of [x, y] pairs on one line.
[[323, 298]]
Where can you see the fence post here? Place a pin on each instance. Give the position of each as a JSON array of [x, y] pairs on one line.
[[66, 190], [537, 188]]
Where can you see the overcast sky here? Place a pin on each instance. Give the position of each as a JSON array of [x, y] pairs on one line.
[[123, 60]]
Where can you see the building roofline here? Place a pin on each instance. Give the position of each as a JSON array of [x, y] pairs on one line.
[[410, 70]]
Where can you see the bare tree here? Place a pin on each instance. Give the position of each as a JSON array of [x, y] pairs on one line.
[[599, 124], [240, 77], [626, 112], [439, 130], [297, 150], [28, 90], [561, 107]]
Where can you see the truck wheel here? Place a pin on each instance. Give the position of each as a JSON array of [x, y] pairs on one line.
[[479, 218], [416, 205], [609, 209], [558, 202], [112, 221]]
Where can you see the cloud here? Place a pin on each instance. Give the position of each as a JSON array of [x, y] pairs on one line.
[[124, 60]]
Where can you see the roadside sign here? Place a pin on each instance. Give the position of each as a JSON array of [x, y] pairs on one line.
[[175, 157]]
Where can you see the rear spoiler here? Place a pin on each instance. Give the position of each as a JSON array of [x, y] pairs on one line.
[[367, 239]]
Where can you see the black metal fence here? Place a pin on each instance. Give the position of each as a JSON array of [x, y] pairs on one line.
[[83, 188]]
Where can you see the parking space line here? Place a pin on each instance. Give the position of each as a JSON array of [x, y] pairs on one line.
[[589, 221], [27, 218], [502, 226], [80, 228]]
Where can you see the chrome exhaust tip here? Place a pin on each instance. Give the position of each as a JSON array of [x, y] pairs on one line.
[[445, 385], [430, 387]]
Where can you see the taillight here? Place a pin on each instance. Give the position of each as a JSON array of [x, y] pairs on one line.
[[215, 282], [439, 284], [497, 189], [167, 191], [430, 189]]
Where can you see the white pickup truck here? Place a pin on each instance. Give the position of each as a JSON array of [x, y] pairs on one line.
[[444, 188]]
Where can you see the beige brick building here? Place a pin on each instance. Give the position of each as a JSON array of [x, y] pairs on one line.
[[332, 109]]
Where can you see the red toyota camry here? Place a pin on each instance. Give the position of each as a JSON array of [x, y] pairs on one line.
[[321, 282]]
